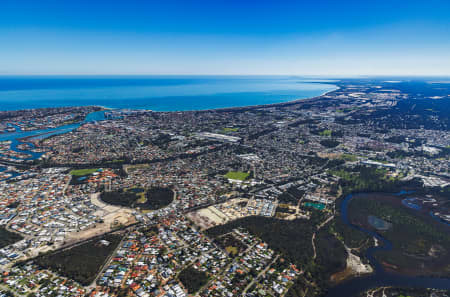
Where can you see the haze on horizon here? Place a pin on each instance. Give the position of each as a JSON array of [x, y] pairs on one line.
[[331, 38]]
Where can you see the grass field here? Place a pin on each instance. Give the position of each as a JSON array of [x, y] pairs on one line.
[[347, 157], [239, 175], [81, 172], [227, 129], [325, 133]]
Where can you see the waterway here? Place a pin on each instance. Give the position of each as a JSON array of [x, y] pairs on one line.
[[44, 133], [380, 277], [17, 137]]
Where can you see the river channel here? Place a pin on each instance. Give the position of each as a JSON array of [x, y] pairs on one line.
[[19, 137], [380, 278], [15, 137]]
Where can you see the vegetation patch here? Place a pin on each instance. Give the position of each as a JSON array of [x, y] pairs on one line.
[[82, 172], [13, 205], [232, 245], [238, 175], [157, 198], [420, 245], [82, 262], [331, 258], [291, 238], [228, 129], [348, 157], [331, 254], [119, 198], [146, 199], [193, 279], [291, 196], [7, 237], [325, 132], [353, 238], [285, 209], [231, 250], [368, 179], [404, 292], [329, 143]]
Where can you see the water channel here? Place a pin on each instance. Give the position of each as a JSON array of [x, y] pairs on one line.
[[380, 278]]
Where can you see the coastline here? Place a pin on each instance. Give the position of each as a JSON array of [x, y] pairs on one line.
[[234, 108], [219, 109], [269, 105], [29, 138]]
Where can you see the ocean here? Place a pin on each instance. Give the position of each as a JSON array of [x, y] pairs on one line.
[[158, 93]]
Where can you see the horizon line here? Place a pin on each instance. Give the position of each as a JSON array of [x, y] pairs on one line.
[[237, 74]]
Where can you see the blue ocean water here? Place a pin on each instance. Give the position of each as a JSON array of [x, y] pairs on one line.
[[159, 93]]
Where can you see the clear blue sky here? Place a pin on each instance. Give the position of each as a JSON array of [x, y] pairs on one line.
[[314, 37]]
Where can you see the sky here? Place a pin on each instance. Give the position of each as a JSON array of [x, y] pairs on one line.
[[189, 37]]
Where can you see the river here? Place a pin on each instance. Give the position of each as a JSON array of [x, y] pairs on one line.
[[16, 137], [93, 116], [380, 277]]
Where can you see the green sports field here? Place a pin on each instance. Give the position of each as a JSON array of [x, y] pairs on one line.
[[239, 175], [81, 172]]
